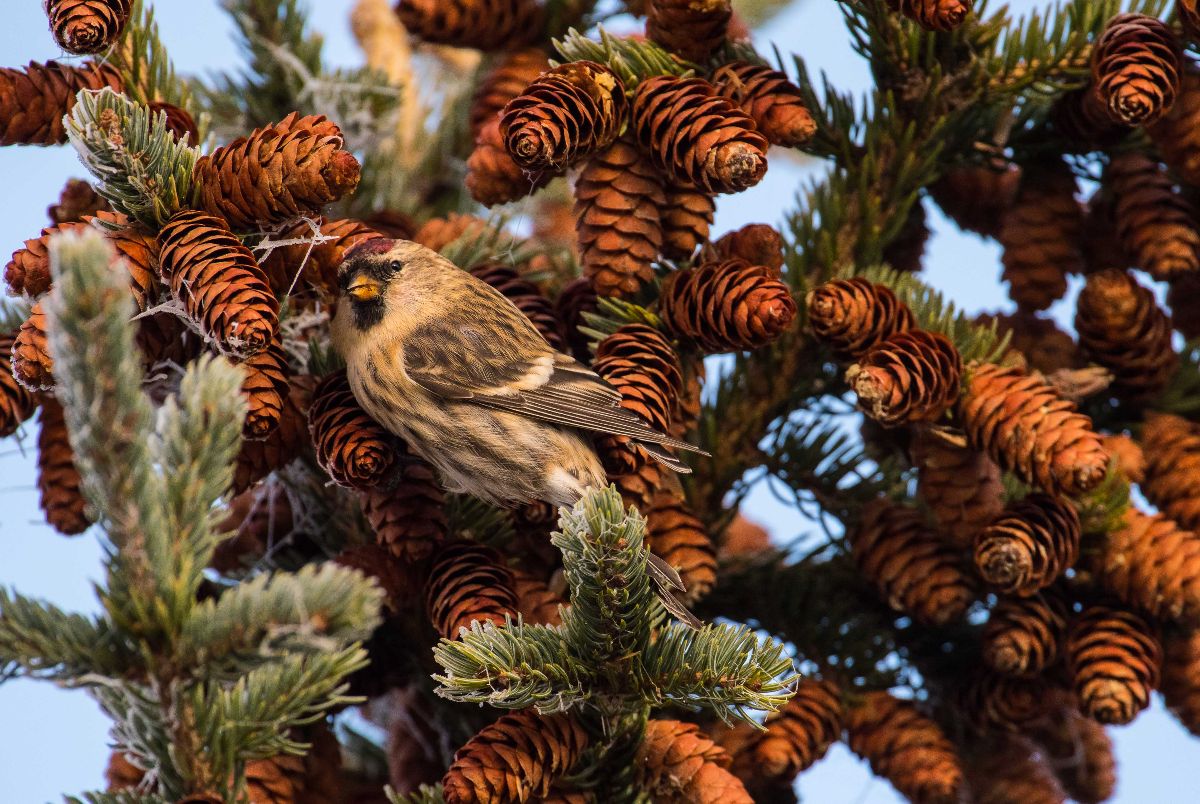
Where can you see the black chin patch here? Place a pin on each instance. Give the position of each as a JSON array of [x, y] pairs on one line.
[[366, 313]]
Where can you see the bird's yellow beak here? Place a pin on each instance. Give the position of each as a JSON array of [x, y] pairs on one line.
[[364, 289]]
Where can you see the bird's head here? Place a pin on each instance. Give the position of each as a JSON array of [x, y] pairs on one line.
[[382, 278]]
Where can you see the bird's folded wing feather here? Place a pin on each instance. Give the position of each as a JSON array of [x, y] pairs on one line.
[[522, 374]]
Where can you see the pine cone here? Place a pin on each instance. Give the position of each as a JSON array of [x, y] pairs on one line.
[[32, 364], [492, 175], [1128, 456], [774, 102], [1103, 247], [278, 173], [1182, 296], [353, 449], [678, 537], [992, 702], [1080, 753], [1029, 546], [468, 582], [437, 233], [482, 24], [410, 519], [678, 764], [1043, 346], [565, 115], [1171, 446], [28, 272], [802, 731], [910, 377], [905, 747], [87, 26], [34, 101], [120, 773], [536, 602], [1153, 565], [527, 297], [853, 315], [906, 250], [257, 459], [315, 263], [976, 197], [914, 571], [1025, 427], [756, 243], [58, 479], [265, 387], [77, 200], [1155, 224], [1181, 679], [638, 486], [1040, 236], [506, 80], [220, 284], [727, 306], [178, 121], [1175, 133], [1023, 634], [392, 223], [1136, 64], [576, 298], [697, 137], [961, 487], [1081, 120], [16, 403], [933, 15], [414, 740], [686, 217], [1114, 659], [258, 520], [1013, 772], [618, 198], [517, 758], [138, 248], [694, 29]]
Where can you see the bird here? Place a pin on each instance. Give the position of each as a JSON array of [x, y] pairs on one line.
[[446, 362]]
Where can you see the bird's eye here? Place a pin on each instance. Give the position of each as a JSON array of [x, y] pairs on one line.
[[396, 265]]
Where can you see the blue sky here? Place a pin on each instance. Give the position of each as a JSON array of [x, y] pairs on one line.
[[55, 740]]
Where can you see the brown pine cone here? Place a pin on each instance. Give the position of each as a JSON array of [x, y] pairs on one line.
[[507, 79], [258, 520], [960, 486], [138, 248], [1040, 236], [278, 173], [1023, 634], [28, 272], [686, 217], [905, 747], [265, 386], [853, 315], [517, 758], [34, 101], [1012, 771], [1079, 751], [409, 519], [1156, 224], [77, 200], [482, 24], [16, 403], [910, 377], [220, 284], [976, 197], [414, 741], [1081, 119], [492, 175], [727, 306], [32, 364], [286, 266], [1128, 456], [1028, 429], [696, 136], [618, 198], [576, 298], [120, 773], [914, 571], [392, 223], [87, 26], [638, 486], [536, 602], [468, 582], [694, 29], [288, 779], [774, 102], [257, 459], [1032, 543], [1043, 346], [906, 250], [58, 479], [993, 702], [801, 732], [565, 115], [678, 764], [756, 243], [527, 297], [353, 449], [1114, 658], [1171, 446], [1181, 678], [437, 233], [1103, 247], [678, 537], [933, 15], [1153, 565], [1175, 133], [1136, 64], [399, 579], [690, 403], [178, 121]]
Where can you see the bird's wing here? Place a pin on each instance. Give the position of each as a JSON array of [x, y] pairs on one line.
[[456, 360]]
